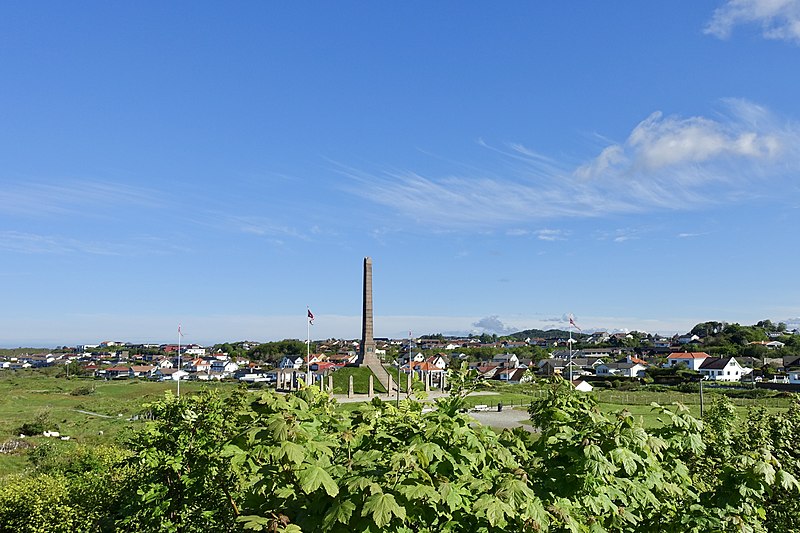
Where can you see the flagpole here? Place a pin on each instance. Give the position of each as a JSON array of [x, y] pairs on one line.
[[570, 355], [571, 324], [308, 348], [177, 372]]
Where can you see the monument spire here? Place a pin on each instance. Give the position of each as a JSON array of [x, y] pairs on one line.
[[366, 352]]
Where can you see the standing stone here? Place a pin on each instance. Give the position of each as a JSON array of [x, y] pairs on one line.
[[443, 381], [389, 386], [350, 388], [408, 382], [371, 392], [427, 381], [330, 383], [366, 351]]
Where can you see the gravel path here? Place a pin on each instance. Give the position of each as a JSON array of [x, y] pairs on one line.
[[507, 418]]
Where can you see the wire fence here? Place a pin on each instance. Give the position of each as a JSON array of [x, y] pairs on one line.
[[619, 398]]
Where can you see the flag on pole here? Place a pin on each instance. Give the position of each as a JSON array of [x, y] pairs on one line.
[[572, 323], [180, 333], [310, 317]]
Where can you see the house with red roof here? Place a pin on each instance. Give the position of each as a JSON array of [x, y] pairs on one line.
[[692, 360]]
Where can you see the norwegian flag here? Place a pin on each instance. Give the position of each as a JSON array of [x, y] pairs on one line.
[[310, 316], [573, 324]]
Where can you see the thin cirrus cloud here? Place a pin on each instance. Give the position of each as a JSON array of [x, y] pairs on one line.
[[72, 196], [778, 19], [31, 243], [666, 163], [551, 235]]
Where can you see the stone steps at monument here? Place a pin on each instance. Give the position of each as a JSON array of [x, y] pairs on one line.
[[381, 374]]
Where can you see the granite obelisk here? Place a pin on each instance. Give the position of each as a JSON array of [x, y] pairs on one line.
[[366, 352]]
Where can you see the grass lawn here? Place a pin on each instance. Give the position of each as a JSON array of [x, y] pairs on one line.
[[341, 380], [27, 396]]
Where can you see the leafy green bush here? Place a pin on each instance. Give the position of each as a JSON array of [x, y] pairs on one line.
[[40, 423]]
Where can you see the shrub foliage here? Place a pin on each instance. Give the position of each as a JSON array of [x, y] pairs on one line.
[[291, 463]]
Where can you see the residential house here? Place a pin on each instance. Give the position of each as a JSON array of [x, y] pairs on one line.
[[343, 358], [506, 360], [142, 371], [440, 361], [166, 374], [598, 337], [581, 385], [628, 370], [115, 372], [661, 342], [723, 369], [197, 365], [194, 350], [692, 360], [292, 363], [487, 371], [223, 367], [688, 339], [513, 375], [599, 352]]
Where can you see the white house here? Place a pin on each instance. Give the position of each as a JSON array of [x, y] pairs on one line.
[[438, 361], [692, 360], [583, 386], [628, 370], [224, 367], [291, 362], [198, 365], [166, 374], [506, 360], [723, 369]]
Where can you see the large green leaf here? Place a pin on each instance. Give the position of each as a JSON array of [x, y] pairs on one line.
[[313, 476], [382, 507]]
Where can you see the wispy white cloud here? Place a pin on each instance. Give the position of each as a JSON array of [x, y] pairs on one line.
[[778, 19], [621, 234], [256, 225], [31, 243], [73, 196], [666, 163], [551, 235]]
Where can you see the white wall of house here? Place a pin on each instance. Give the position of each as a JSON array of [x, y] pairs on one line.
[[732, 372]]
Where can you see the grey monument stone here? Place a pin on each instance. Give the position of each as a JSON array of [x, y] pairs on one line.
[[366, 352]]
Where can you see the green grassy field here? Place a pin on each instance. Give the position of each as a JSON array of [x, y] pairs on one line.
[[27, 397]]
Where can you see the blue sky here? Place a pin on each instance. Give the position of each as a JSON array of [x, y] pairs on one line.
[[224, 166]]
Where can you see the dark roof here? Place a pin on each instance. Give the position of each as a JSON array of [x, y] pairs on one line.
[[715, 363]]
